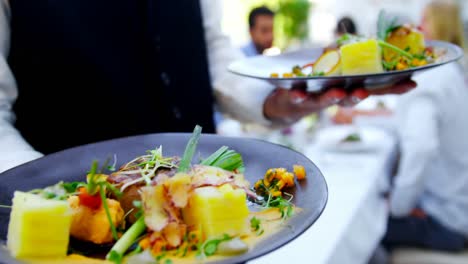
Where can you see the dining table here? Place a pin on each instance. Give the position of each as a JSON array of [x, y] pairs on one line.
[[355, 217]]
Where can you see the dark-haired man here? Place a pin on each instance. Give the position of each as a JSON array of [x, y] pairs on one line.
[[261, 31]]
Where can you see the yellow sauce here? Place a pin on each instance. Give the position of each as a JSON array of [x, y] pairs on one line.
[[270, 222]]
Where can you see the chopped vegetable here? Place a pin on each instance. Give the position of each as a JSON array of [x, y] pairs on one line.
[[274, 181], [299, 171], [91, 201], [123, 244]]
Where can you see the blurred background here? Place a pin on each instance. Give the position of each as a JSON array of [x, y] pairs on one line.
[[303, 23]]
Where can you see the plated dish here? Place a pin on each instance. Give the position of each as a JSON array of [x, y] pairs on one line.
[[395, 54], [159, 206], [350, 138]]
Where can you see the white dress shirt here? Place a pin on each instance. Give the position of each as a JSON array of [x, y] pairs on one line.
[[238, 97], [433, 129]]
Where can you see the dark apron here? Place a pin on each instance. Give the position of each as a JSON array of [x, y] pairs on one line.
[[92, 70]]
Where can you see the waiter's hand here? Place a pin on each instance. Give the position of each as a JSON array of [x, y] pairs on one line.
[[286, 106]]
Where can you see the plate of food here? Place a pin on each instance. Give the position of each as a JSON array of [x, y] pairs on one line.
[[393, 55], [350, 138], [159, 198]]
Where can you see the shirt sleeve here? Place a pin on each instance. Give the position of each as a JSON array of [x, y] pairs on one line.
[[14, 150], [238, 97], [417, 129]]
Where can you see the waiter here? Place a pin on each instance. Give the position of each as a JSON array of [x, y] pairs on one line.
[[80, 71]]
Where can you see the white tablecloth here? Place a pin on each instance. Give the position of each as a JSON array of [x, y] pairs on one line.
[[355, 218]]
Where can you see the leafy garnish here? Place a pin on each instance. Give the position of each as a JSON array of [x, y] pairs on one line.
[[297, 70], [348, 38], [146, 166], [285, 207], [60, 191], [389, 65], [353, 137], [112, 166], [321, 73], [190, 150], [385, 26], [255, 225], [92, 179], [226, 159], [106, 209], [209, 247], [385, 44]]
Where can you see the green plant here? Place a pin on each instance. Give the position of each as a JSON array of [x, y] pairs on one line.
[[295, 15]]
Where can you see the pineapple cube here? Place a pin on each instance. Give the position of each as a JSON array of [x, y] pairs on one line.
[[404, 38], [38, 227], [217, 211], [361, 57]]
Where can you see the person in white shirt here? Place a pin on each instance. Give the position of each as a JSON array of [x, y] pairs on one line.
[[75, 72], [429, 200]]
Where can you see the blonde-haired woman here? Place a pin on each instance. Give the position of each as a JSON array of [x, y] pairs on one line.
[[442, 21], [429, 199]]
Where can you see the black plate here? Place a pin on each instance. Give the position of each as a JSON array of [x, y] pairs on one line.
[[260, 67], [71, 165]]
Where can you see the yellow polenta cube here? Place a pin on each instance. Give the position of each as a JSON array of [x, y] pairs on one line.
[[38, 227], [217, 211], [361, 58]]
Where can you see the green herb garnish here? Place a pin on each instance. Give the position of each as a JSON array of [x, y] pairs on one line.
[[353, 137], [385, 26], [146, 166], [126, 241], [285, 206], [297, 70], [109, 218], [389, 65], [59, 191], [209, 247], [190, 150], [347, 39], [385, 44], [226, 159], [255, 225]]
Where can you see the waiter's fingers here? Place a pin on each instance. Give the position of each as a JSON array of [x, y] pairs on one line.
[[399, 88], [355, 97], [319, 101], [298, 93]]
